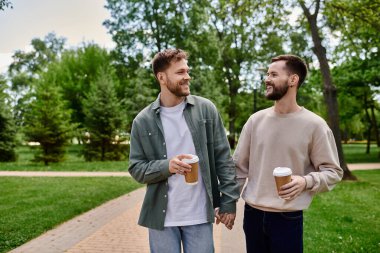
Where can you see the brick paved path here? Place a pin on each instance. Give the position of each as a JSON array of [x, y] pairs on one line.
[[112, 227]]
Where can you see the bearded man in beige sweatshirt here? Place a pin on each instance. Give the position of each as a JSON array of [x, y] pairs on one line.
[[285, 135]]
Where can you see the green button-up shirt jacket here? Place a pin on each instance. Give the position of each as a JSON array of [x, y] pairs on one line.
[[149, 164]]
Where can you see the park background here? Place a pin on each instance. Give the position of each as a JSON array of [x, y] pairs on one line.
[[76, 104]]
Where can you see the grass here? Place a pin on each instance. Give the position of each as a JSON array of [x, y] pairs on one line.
[[355, 153], [346, 220], [33, 205], [73, 162]]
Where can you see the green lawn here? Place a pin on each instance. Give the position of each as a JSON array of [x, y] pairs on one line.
[[73, 162], [347, 219], [354, 153], [344, 220], [30, 206]]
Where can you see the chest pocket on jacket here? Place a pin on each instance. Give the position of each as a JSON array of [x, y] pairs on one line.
[[206, 127], [150, 139]]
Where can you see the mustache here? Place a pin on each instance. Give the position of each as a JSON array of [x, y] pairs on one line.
[[269, 84], [184, 82]]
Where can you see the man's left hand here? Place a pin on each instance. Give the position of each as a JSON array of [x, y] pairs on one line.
[[228, 219], [293, 189]]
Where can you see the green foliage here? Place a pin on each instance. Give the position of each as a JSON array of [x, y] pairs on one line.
[[140, 29], [47, 120], [143, 27], [356, 79], [310, 94], [139, 90], [5, 4], [226, 41], [7, 126], [75, 71], [28, 66], [357, 23], [32, 205], [43, 53], [104, 121], [358, 72]]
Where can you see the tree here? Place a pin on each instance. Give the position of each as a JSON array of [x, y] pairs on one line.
[[47, 120], [357, 78], [140, 29], [237, 29], [28, 66], [5, 4], [104, 121], [76, 70], [221, 37], [329, 91], [357, 25], [139, 90], [7, 126], [44, 52]]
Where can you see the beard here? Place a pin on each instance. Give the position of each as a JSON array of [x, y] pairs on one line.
[[178, 88], [277, 92]]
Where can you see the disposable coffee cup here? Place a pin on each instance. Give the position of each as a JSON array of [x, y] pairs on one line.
[[191, 178], [282, 176]]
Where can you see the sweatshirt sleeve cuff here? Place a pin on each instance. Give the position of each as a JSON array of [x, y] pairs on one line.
[[309, 182]]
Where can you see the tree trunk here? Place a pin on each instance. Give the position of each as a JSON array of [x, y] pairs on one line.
[[368, 148], [374, 123], [232, 115], [369, 125], [345, 137], [329, 91], [103, 148]]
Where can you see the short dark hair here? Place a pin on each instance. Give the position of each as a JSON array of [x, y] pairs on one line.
[[294, 65], [162, 60]]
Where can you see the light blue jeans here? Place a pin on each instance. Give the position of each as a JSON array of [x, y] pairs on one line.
[[195, 239]]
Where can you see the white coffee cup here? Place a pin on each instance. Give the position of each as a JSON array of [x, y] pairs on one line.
[[282, 176], [191, 178]]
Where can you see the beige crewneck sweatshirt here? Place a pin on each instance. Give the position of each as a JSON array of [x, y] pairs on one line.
[[301, 141]]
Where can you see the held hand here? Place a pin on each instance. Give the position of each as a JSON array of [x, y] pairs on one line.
[[176, 166], [293, 189], [228, 219]]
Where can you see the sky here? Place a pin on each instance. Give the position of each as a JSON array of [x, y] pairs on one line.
[[77, 20]]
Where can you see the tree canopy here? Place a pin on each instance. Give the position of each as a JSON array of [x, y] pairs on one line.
[[230, 44]]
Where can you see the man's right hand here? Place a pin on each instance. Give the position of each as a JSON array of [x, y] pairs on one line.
[[176, 166], [228, 219]]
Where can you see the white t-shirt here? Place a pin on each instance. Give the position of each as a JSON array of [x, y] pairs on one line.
[[187, 204]]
